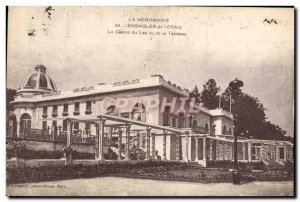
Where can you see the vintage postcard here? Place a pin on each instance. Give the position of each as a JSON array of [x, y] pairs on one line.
[[150, 101]]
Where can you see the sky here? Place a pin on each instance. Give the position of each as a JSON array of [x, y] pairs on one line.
[[81, 46]]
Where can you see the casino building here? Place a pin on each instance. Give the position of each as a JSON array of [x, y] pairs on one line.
[[91, 119]]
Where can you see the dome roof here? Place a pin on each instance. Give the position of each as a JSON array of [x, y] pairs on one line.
[[38, 83]]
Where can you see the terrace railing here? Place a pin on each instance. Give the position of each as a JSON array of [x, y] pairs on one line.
[[200, 129], [46, 135]]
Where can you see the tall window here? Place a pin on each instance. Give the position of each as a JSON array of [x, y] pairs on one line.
[[65, 110], [88, 106], [281, 153], [54, 109], [195, 124], [76, 126], [45, 110], [44, 127], [180, 120], [44, 115], [138, 112], [224, 130], [206, 128], [166, 116], [76, 108], [174, 121], [88, 126], [65, 125]]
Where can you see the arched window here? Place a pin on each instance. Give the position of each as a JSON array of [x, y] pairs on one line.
[[31, 83], [195, 124], [166, 116], [230, 131], [206, 127], [25, 123], [43, 81], [224, 130], [181, 120], [138, 112]]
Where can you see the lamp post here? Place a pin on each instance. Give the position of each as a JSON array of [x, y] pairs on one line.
[[235, 85]]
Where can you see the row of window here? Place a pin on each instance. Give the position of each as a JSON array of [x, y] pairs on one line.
[[76, 112], [65, 126]]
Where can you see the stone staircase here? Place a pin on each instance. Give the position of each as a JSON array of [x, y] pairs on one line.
[[194, 164]]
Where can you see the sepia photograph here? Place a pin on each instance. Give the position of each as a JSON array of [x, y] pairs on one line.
[[166, 101]]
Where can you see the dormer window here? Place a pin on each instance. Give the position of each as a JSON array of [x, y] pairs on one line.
[[88, 109], [44, 112], [65, 110], [76, 109]]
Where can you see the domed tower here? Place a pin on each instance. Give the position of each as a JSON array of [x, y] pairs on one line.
[[38, 83]]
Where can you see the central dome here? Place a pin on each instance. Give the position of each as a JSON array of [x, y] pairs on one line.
[[38, 83]]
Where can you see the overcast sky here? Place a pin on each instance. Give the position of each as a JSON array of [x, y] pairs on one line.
[[220, 43]]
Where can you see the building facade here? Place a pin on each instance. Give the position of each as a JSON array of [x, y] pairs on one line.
[[180, 130]]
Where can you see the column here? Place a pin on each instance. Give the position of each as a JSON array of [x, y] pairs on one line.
[[127, 142], [18, 127], [164, 145], [261, 151], [210, 149], [244, 151], [217, 150], [204, 148], [196, 149], [187, 146], [69, 135], [68, 155], [120, 145], [148, 143], [284, 153], [101, 140], [177, 146], [110, 131], [249, 152], [138, 140], [153, 145], [96, 140], [277, 153]]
